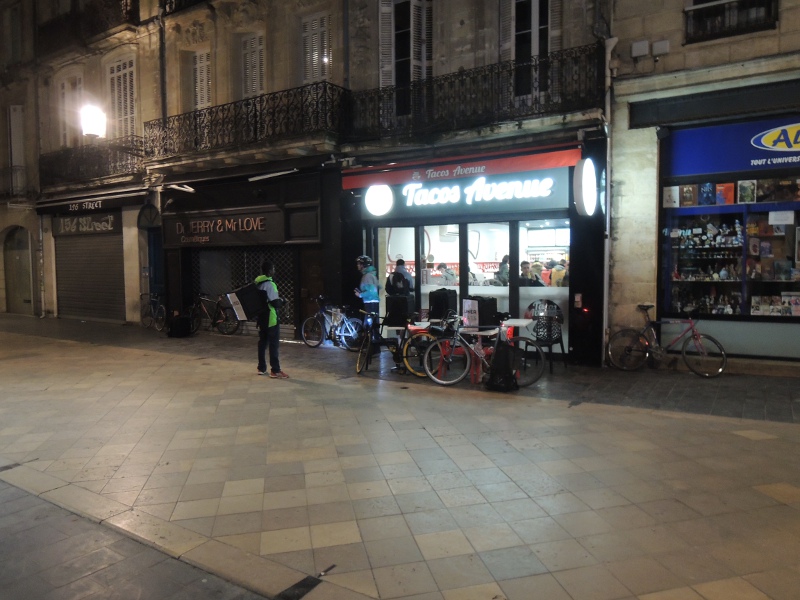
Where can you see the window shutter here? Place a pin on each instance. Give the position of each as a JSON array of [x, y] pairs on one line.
[[506, 33], [122, 117], [417, 41], [386, 35], [201, 75], [16, 138], [252, 65], [16, 134], [70, 94], [316, 48], [556, 24], [12, 22]]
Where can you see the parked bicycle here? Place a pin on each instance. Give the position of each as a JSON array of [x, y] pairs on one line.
[[331, 323], [153, 311], [407, 349], [628, 349], [448, 360], [220, 316]]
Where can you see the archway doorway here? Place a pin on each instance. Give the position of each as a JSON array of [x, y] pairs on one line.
[[17, 269]]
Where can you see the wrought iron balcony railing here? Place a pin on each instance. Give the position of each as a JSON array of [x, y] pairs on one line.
[[311, 109], [558, 83], [14, 182], [561, 82], [173, 6], [726, 18], [78, 26], [121, 156]]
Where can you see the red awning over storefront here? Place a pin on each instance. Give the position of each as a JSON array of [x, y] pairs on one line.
[[363, 177]]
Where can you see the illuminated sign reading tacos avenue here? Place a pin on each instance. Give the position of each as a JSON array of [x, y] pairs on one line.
[[416, 194], [504, 193]]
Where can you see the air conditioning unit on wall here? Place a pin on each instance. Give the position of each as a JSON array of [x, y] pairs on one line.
[[448, 233]]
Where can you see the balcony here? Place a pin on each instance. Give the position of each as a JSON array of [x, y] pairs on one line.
[[312, 109], [561, 82], [726, 18], [118, 157], [173, 6], [77, 27]]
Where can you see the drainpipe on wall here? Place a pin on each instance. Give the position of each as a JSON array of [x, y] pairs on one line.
[[610, 44]]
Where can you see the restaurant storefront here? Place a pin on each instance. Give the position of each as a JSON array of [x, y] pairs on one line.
[[470, 223]]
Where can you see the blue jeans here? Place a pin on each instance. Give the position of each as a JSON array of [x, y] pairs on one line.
[[269, 337]]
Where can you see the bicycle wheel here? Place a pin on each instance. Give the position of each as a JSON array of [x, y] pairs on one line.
[[364, 354], [528, 360], [704, 355], [414, 350], [195, 318], [227, 323], [160, 317], [447, 361], [350, 333], [312, 332], [627, 349], [147, 315]]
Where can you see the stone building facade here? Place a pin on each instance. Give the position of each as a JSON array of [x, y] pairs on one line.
[[680, 66]]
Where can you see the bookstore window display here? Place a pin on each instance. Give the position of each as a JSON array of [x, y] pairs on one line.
[[732, 248]]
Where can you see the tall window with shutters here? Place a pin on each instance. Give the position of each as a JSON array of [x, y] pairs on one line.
[[529, 31], [201, 79], [70, 98], [121, 86], [316, 48], [12, 30], [406, 54], [252, 48]]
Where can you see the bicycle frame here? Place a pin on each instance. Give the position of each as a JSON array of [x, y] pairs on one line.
[[650, 326]]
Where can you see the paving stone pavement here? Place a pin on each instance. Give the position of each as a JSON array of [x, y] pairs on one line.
[[137, 466]]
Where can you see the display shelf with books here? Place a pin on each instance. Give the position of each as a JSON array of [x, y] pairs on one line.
[[738, 259]]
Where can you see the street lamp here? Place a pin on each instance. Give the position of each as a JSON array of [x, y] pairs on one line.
[[93, 122], [93, 125]]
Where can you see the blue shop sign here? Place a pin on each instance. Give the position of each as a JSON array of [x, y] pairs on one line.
[[754, 146]]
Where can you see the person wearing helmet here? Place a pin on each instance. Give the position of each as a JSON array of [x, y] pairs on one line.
[[368, 289]]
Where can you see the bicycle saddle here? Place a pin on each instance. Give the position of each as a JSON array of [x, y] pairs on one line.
[[645, 306]]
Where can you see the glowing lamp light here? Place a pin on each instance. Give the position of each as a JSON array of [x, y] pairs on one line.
[[584, 184], [93, 122], [379, 200]]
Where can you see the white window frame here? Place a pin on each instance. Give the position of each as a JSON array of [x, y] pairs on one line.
[[317, 57], [122, 97], [421, 40], [252, 59]]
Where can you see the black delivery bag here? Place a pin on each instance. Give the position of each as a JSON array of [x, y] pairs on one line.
[[248, 302], [487, 310], [398, 309], [441, 301]]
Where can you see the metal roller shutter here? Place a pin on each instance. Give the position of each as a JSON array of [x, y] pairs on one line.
[[91, 281]]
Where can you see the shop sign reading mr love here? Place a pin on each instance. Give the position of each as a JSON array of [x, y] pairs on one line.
[[480, 195]]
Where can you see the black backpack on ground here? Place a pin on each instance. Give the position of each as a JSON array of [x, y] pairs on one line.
[[502, 377], [179, 326], [397, 285]]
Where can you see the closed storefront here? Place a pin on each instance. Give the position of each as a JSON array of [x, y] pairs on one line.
[[90, 279], [217, 236]]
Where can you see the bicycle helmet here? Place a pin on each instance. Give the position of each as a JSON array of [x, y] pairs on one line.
[[364, 260]]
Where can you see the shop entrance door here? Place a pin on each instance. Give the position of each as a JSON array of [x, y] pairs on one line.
[[17, 265]]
